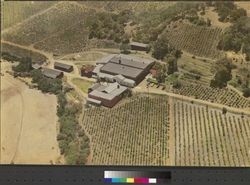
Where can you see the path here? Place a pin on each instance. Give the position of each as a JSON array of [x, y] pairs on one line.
[[186, 98]]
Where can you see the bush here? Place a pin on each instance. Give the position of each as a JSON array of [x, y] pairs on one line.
[[25, 65], [246, 92]]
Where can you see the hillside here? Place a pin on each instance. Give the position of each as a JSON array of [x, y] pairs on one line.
[[23, 10], [57, 18], [198, 40]]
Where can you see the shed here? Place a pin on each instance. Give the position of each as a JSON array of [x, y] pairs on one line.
[[63, 67], [51, 73], [139, 46]]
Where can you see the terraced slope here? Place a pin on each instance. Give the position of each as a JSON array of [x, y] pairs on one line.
[[198, 40]]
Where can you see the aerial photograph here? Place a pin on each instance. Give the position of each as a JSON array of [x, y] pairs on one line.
[[130, 83]]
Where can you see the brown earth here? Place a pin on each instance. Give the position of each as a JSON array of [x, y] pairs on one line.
[[28, 123]]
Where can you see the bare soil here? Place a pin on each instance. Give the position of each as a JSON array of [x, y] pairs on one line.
[[28, 124]]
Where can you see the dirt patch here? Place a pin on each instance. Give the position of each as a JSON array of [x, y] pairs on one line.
[[28, 124]]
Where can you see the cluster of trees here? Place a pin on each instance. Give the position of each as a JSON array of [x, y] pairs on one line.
[[153, 22], [24, 65], [228, 11], [107, 25], [223, 73], [237, 37], [45, 84], [162, 50], [73, 142], [9, 57]]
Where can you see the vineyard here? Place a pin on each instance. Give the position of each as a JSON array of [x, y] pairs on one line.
[[53, 20], [206, 137], [223, 96], [198, 40], [134, 133]]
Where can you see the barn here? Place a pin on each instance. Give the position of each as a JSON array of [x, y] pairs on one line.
[[63, 67]]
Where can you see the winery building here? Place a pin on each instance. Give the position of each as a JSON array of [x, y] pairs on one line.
[[123, 69], [107, 95]]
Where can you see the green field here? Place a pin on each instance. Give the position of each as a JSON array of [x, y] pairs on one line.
[[82, 84]]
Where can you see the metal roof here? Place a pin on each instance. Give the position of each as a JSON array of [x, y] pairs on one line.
[[139, 44], [97, 69], [105, 59], [126, 71], [108, 92], [131, 61], [36, 66], [65, 66], [51, 73]]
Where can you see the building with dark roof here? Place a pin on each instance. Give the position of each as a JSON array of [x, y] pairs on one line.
[[139, 46], [132, 69], [108, 95], [51, 73], [63, 67]]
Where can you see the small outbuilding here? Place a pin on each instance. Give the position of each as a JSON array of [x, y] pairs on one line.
[[139, 46], [51, 73], [63, 67], [36, 66]]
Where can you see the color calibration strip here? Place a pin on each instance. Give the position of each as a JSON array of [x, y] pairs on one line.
[[132, 180], [136, 177]]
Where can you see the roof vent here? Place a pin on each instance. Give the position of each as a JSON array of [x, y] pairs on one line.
[[118, 86]]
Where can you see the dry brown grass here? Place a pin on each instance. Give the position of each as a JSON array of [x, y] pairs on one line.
[[28, 124]]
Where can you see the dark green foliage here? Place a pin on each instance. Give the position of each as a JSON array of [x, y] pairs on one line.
[[223, 73], [152, 23], [125, 48], [228, 11], [10, 57], [25, 65], [246, 92], [176, 84], [45, 84], [237, 37], [221, 78], [161, 48], [172, 65], [224, 110], [107, 25], [73, 142]]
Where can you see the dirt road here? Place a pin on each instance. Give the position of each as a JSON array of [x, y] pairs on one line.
[[142, 88]]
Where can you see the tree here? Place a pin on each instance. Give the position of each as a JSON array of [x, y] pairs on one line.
[[246, 92], [224, 110], [176, 84], [160, 48], [221, 78], [25, 65], [172, 65], [125, 48]]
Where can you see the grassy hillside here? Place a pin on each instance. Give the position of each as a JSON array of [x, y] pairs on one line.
[[16, 11]]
